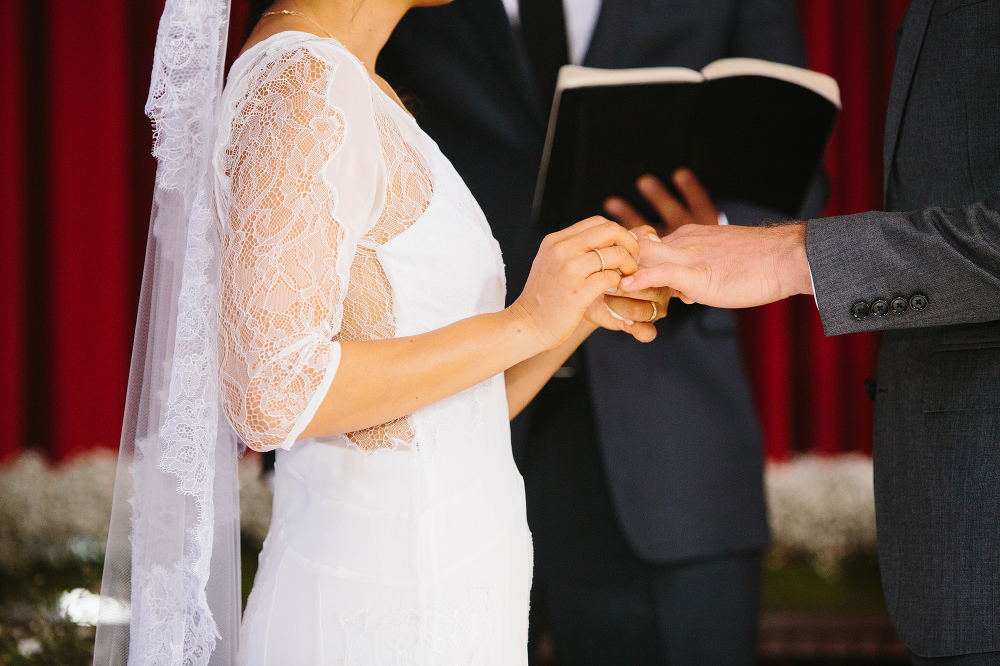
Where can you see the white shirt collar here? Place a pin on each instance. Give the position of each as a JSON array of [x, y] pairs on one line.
[[581, 18]]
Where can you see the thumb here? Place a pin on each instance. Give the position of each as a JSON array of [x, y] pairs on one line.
[[675, 276]]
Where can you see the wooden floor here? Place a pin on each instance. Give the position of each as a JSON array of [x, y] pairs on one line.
[[810, 638], [827, 637]]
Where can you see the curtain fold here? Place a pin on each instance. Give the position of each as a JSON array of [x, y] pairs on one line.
[[77, 181], [809, 389], [12, 245]]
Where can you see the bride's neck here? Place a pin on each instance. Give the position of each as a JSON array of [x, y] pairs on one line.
[[363, 26]]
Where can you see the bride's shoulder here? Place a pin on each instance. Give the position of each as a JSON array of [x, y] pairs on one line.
[[288, 62]]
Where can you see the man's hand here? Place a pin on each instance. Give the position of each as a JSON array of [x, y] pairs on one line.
[[696, 209], [725, 266]]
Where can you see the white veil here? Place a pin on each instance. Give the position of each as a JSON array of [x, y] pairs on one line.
[[173, 549]]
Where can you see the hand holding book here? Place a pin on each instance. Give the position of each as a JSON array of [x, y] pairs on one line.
[[697, 206], [752, 131]]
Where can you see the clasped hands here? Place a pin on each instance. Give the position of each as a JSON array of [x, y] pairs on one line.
[[622, 275], [701, 261]]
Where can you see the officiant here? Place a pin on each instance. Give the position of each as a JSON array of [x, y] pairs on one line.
[[647, 530]]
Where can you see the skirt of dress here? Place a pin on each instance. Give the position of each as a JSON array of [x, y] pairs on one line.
[[416, 556]]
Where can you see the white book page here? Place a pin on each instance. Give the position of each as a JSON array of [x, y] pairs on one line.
[[815, 81], [574, 76]]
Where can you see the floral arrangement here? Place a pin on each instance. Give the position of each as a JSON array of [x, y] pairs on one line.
[[821, 506], [61, 513], [818, 506], [54, 524], [55, 513]]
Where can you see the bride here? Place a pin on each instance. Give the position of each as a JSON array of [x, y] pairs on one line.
[[361, 332]]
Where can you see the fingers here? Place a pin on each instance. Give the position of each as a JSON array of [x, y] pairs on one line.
[[683, 279], [594, 232], [656, 252], [696, 208], [614, 257], [698, 200], [580, 227], [641, 331], [646, 232], [607, 318], [604, 234], [598, 283], [671, 211], [623, 211], [636, 310], [659, 294]]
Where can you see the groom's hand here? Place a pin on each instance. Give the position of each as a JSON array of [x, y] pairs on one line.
[[725, 266], [697, 207]]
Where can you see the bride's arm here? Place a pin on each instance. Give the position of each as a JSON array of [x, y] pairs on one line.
[[381, 380], [633, 315], [299, 182], [527, 378]]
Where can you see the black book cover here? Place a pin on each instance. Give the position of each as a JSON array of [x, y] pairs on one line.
[[748, 137]]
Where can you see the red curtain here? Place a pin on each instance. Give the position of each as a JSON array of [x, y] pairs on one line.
[[74, 209], [809, 389]]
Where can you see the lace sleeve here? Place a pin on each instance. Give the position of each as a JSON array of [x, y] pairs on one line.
[[299, 181]]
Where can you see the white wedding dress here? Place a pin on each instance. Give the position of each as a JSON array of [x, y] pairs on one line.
[[341, 220]]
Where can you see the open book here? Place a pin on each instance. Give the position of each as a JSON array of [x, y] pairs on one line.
[[751, 130]]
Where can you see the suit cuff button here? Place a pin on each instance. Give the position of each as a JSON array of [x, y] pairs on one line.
[[860, 310], [898, 305], [918, 302], [880, 307]]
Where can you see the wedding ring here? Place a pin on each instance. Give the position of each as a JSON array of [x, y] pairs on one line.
[[601, 256], [652, 317]]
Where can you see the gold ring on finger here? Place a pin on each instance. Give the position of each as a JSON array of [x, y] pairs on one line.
[[656, 311], [601, 256]]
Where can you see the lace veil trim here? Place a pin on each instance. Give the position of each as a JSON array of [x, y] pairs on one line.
[[173, 548]]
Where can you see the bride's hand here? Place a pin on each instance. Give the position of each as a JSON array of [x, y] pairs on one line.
[[567, 276], [632, 312]]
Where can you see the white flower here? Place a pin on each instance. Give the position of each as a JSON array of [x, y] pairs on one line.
[[29, 646], [820, 506], [50, 512], [824, 506], [83, 607], [59, 513]]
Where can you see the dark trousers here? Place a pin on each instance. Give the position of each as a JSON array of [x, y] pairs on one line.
[[599, 602], [981, 659]]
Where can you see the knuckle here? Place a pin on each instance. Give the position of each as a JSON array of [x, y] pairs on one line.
[[559, 251]]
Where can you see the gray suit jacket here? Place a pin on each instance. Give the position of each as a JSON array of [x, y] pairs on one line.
[[681, 448], [937, 406]]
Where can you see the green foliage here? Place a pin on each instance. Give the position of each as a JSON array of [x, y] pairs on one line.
[[31, 631], [249, 550], [46, 641], [803, 583]]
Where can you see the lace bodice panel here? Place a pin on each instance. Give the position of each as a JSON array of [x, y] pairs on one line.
[[312, 176]]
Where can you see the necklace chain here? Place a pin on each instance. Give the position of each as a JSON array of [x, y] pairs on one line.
[[292, 12]]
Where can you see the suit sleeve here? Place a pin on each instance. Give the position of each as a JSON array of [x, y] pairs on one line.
[[930, 267]]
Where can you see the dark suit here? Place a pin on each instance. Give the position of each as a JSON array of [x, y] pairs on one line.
[[649, 464], [937, 404]]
